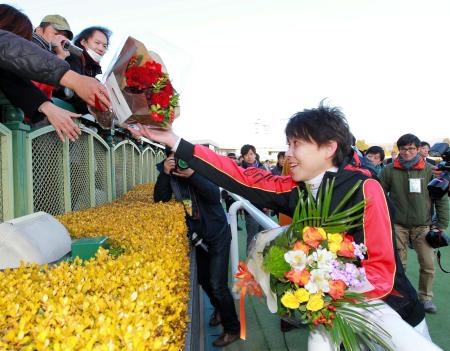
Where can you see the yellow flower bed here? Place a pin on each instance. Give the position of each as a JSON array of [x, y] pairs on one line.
[[137, 301]]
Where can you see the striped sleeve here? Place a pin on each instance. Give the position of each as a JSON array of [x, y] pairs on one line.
[[258, 186]]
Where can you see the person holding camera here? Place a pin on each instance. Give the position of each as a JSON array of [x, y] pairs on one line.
[[405, 180], [52, 33], [209, 233]]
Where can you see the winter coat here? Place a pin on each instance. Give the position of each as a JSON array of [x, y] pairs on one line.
[[26, 59], [412, 209]]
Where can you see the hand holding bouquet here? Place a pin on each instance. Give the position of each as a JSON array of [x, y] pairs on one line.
[[140, 89]]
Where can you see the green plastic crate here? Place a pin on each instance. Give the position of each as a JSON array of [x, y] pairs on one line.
[[86, 248]]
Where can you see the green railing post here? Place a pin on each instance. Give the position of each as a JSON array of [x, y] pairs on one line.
[[13, 118], [91, 166], [109, 138]]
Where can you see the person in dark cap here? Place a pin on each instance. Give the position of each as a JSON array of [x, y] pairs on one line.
[[52, 33]]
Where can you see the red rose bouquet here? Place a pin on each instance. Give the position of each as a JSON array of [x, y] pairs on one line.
[[140, 88]]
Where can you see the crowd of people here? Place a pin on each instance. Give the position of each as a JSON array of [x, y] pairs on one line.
[[35, 63], [42, 63]]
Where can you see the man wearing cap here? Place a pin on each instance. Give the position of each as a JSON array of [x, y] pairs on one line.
[[51, 34]]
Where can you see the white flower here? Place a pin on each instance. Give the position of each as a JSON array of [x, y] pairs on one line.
[[296, 258], [318, 281], [323, 257]]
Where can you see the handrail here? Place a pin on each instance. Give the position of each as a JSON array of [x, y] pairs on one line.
[[265, 221]]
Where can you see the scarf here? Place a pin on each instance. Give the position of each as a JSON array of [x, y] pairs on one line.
[[409, 164]]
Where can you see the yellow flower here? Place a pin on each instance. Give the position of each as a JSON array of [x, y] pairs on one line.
[[293, 300], [302, 295], [118, 302], [289, 300], [334, 242], [315, 302]]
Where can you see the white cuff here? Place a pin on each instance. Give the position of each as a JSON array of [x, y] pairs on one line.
[[175, 147]]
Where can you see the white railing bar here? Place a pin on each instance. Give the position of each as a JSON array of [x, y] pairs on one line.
[[265, 221]]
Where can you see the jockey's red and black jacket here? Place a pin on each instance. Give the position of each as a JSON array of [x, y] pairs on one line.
[[280, 193]]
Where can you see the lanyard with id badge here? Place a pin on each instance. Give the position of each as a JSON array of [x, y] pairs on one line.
[[415, 185]]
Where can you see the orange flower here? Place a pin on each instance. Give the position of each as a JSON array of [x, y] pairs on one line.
[[347, 249], [337, 288], [299, 277], [300, 245], [313, 236]]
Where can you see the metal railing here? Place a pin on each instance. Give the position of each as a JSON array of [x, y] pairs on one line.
[[6, 175], [60, 177], [260, 217]]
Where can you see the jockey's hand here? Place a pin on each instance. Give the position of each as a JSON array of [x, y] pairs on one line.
[[183, 173], [163, 136]]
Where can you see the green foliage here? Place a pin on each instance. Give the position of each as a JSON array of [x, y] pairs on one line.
[[274, 262], [317, 214], [116, 251]]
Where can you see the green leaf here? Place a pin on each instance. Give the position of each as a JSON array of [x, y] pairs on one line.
[[347, 196], [283, 240], [296, 215], [327, 198], [354, 209], [139, 60], [274, 262]]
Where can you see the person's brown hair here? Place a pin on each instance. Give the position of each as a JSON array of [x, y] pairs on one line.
[[14, 21]]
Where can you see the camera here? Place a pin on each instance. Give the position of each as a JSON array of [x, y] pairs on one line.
[[68, 46], [437, 239], [181, 164], [439, 186], [196, 240]]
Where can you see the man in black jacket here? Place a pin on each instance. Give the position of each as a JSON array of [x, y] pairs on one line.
[[206, 218]]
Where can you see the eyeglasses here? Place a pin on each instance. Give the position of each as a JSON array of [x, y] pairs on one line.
[[407, 149]]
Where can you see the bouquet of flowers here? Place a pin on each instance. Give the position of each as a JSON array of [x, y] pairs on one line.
[[140, 89], [311, 270]]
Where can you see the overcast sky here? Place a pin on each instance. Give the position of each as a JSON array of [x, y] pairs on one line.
[[244, 67]]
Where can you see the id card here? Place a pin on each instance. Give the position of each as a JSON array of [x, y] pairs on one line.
[[415, 185]]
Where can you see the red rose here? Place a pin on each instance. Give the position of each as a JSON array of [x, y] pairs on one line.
[[134, 76], [157, 117], [168, 89], [161, 98], [154, 67]]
